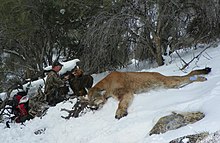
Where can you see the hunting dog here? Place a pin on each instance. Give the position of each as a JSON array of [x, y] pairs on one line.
[[79, 83]]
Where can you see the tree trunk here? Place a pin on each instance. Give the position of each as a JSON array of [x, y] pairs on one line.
[[159, 58]]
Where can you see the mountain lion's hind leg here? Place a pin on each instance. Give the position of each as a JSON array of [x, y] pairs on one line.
[[197, 78], [192, 79], [178, 81]]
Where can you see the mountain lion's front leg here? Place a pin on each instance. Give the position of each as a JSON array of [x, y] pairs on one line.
[[123, 105]]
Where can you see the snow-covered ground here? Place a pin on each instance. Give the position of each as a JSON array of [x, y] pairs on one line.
[[101, 126]]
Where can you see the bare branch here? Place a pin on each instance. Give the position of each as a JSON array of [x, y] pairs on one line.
[[196, 57], [14, 53], [78, 109]]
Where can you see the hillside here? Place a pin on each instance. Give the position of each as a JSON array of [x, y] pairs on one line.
[[101, 126]]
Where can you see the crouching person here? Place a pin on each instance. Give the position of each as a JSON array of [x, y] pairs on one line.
[[53, 85]]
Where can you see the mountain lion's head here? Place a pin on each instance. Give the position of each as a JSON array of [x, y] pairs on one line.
[[96, 97]]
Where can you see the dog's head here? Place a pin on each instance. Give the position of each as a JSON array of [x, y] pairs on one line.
[[77, 72]]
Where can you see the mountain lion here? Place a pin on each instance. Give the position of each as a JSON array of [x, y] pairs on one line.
[[123, 86]]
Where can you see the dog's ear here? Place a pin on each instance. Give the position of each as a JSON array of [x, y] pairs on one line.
[[76, 67]]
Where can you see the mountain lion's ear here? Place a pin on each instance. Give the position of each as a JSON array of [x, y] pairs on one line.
[[102, 92]]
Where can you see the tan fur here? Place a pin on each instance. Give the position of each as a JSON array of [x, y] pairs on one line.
[[123, 86]]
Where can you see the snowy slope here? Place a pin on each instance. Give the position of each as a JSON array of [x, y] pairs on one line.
[[101, 126]]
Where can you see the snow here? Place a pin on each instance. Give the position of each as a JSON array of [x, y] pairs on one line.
[[101, 126], [67, 66]]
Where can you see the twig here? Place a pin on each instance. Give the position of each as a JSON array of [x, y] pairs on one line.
[[78, 109], [207, 56], [196, 57], [71, 112], [181, 58], [8, 93], [4, 103]]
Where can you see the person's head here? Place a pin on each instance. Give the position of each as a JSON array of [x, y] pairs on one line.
[[57, 66]]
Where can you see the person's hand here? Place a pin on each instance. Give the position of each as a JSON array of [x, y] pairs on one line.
[[66, 77]]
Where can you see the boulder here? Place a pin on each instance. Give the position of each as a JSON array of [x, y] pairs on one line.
[[212, 138], [196, 138], [175, 121]]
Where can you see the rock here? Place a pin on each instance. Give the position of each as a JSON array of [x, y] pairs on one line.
[[175, 121], [212, 138], [196, 138]]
